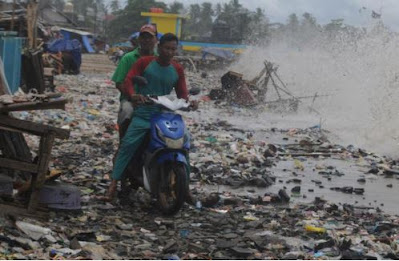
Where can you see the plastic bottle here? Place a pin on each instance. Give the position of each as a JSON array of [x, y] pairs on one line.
[[198, 205]]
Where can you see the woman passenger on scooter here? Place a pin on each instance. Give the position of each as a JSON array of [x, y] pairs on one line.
[[149, 76]]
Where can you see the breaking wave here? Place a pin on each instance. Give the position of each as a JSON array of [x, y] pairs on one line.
[[357, 68]]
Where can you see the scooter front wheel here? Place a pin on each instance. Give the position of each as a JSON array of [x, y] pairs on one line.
[[173, 188]]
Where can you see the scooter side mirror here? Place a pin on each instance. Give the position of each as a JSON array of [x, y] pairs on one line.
[[194, 91]]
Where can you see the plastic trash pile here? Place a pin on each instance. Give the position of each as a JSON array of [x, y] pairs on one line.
[[258, 188]]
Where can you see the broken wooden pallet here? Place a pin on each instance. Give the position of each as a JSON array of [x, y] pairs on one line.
[[47, 136]]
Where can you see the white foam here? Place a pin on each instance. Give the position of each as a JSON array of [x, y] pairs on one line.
[[359, 70]]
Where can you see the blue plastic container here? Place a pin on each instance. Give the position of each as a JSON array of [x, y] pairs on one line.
[[10, 52]]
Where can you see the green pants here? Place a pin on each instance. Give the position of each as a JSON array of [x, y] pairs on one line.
[[134, 136]]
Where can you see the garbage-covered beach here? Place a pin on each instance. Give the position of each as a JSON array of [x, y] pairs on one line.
[[265, 192]]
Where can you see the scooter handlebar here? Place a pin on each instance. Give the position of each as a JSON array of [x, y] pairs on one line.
[[151, 100]]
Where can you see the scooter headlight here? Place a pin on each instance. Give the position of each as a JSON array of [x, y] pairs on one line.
[[171, 143]]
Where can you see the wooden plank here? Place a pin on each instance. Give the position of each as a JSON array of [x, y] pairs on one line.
[[31, 19], [20, 211], [32, 127], [27, 106], [18, 165], [46, 144], [3, 128]]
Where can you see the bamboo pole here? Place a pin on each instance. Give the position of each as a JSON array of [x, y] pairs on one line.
[[32, 23]]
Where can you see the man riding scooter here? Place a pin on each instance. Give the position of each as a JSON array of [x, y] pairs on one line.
[[150, 75], [147, 41]]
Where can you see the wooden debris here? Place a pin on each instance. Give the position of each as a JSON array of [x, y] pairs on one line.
[[237, 90], [47, 135], [26, 106]]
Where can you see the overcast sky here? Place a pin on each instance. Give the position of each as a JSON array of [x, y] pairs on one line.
[[355, 12]]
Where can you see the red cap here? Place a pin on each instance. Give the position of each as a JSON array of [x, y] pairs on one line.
[[148, 28]]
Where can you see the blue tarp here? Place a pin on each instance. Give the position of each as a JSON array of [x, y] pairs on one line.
[[86, 43], [10, 52], [72, 46], [85, 39], [221, 53]]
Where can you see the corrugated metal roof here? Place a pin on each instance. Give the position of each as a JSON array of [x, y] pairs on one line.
[[52, 17]]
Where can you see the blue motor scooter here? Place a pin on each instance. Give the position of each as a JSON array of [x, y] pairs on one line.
[[161, 167]]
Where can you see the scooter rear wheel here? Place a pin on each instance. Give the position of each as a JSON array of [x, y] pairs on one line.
[[173, 187]]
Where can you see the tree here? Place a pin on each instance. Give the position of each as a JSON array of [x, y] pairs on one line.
[[334, 26], [100, 10], [309, 20], [176, 7], [293, 23], [193, 21], [218, 9], [260, 26], [59, 4], [86, 10], [227, 9], [206, 18], [114, 6], [235, 21], [258, 16], [235, 5], [195, 13]]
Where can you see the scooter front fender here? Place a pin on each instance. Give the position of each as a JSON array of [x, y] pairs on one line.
[[172, 156]]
